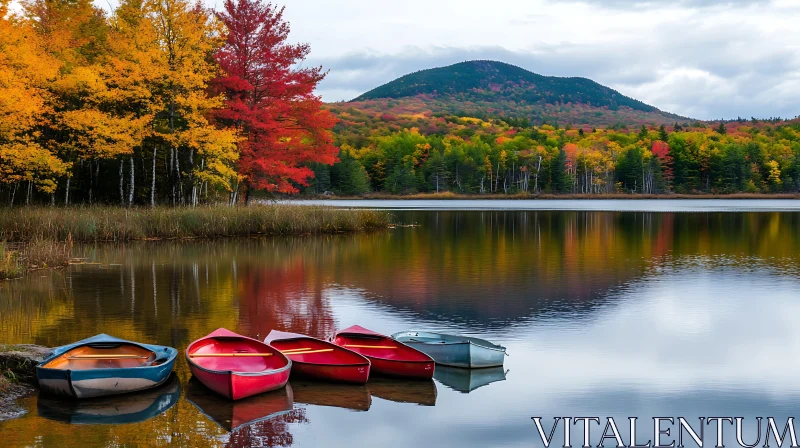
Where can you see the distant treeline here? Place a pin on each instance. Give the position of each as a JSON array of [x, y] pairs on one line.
[[426, 153]]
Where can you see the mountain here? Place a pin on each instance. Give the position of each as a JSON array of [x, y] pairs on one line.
[[496, 89]]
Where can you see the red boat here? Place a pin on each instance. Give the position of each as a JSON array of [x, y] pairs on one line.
[[387, 356], [318, 359], [236, 366]]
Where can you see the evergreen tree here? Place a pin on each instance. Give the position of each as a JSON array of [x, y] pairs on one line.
[[560, 181], [348, 176], [662, 132]]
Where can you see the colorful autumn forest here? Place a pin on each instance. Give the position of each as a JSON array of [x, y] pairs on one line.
[[430, 152], [168, 102], [158, 101]]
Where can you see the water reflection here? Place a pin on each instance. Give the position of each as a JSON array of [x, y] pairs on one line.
[[231, 415], [355, 397], [422, 393], [128, 408], [467, 380], [608, 314]]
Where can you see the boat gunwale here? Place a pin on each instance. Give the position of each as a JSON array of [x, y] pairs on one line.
[[498, 348], [380, 338], [172, 355], [365, 363]]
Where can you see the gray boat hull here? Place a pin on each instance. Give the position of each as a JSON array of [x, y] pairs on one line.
[[454, 351], [467, 380]]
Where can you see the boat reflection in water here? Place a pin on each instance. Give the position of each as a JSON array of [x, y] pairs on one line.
[[355, 397], [467, 380], [418, 392], [230, 414], [120, 409]]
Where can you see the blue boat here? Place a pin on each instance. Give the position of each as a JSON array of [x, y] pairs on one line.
[[104, 365], [117, 410], [454, 351]]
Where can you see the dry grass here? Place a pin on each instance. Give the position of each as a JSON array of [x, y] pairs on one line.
[[19, 258], [82, 224], [10, 265]]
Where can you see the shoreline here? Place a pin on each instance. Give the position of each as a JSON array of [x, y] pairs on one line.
[[42, 237], [18, 376], [27, 225], [549, 196]]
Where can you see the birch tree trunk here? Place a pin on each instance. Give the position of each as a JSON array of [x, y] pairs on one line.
[[130, 191], [153, 181]]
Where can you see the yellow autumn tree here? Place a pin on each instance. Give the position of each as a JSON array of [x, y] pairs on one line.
[[74, 33], [187, 36], [25, 70]]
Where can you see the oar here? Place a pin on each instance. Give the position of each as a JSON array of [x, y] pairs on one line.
[[107, 357], [224, 355], [304, 352], [371, 346]]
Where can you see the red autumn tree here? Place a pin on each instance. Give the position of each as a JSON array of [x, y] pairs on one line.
[[270, 100], [661, 150]]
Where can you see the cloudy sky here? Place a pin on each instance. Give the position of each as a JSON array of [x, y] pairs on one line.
[[700, 58]]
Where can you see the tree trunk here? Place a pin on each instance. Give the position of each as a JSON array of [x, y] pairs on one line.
[[153, 182], [191, 177], [66, 196], [234, 193], [13, 194], [130, 194], [121, 182], [171, 174], [178, 177]]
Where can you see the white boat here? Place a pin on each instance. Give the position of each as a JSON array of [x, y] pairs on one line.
[[454, 351]]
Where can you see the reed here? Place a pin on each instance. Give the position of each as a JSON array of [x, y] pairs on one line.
[[10, 266], [86, 224], [16, 259]]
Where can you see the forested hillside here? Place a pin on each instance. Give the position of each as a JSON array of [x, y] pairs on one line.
[[486, 89], [484, 127]]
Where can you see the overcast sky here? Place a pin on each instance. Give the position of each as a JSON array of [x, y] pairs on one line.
[[700, 58], [704, 59]]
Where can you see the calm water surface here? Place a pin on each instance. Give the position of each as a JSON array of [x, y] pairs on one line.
[[603, 313]]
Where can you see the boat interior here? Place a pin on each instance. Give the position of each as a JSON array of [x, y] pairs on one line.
[[235, 354], [103, 356], [380, 347], [313, 351], [436, 338]]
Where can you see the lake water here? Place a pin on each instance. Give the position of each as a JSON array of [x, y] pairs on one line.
[[603, 313]]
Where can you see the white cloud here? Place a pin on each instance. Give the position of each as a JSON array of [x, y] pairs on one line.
[[702, 58]]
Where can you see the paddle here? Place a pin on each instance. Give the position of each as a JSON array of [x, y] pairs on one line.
[[371, 346], [306, 351], [226, 355], [107, 357]]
